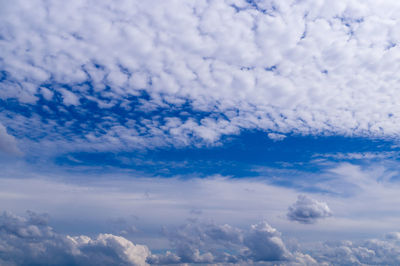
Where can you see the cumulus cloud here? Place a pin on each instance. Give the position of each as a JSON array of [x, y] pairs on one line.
[[305, 67], [30, 241], [209, 243], [276, 137], [8, 143], [307, 210]]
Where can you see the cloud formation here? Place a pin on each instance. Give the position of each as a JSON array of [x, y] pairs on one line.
[[156, 73], [30, 241], [368, 252], [307, 210], [27, 241]]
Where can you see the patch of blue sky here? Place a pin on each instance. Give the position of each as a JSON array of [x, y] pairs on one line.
[[88, 116], [243, 156]]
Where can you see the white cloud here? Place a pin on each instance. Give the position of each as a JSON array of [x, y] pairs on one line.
[[306, 67], [69, 98], [8, 143], [307, 210], [368, 252], [276, 137]]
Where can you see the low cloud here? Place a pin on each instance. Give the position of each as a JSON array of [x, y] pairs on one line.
[[30, 241], [367, 252], [307, 210], [210, 243]]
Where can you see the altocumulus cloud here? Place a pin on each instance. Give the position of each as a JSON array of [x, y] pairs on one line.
[[307, 210], [207, 68]]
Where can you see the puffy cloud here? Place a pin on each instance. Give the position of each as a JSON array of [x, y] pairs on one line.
[[265, 243], [27, 241], [211, 243], [306, 67], [8, 143], [307, 210]]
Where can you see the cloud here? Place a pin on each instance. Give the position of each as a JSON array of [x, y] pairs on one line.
[[209, 243], [8, 143], [27, 241], [276, 137], [307, 210], [366, 252], [298, 67]]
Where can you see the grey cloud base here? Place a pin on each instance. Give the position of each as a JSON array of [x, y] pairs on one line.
[[30, 241]]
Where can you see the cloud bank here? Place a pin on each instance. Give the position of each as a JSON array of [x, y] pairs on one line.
[[132, 74], [27, 241], [30, 241]]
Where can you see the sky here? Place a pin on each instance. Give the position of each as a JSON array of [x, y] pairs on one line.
[[201, 132]]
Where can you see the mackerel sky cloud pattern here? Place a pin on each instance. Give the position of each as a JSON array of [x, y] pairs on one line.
[[208, 68]]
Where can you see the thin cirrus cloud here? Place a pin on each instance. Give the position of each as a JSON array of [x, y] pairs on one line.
[[199, 70]]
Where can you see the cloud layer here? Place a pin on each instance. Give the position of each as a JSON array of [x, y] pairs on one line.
[[29, 240], [156, 73]]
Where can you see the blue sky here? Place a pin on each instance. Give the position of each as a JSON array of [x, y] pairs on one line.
[[203, 132]]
